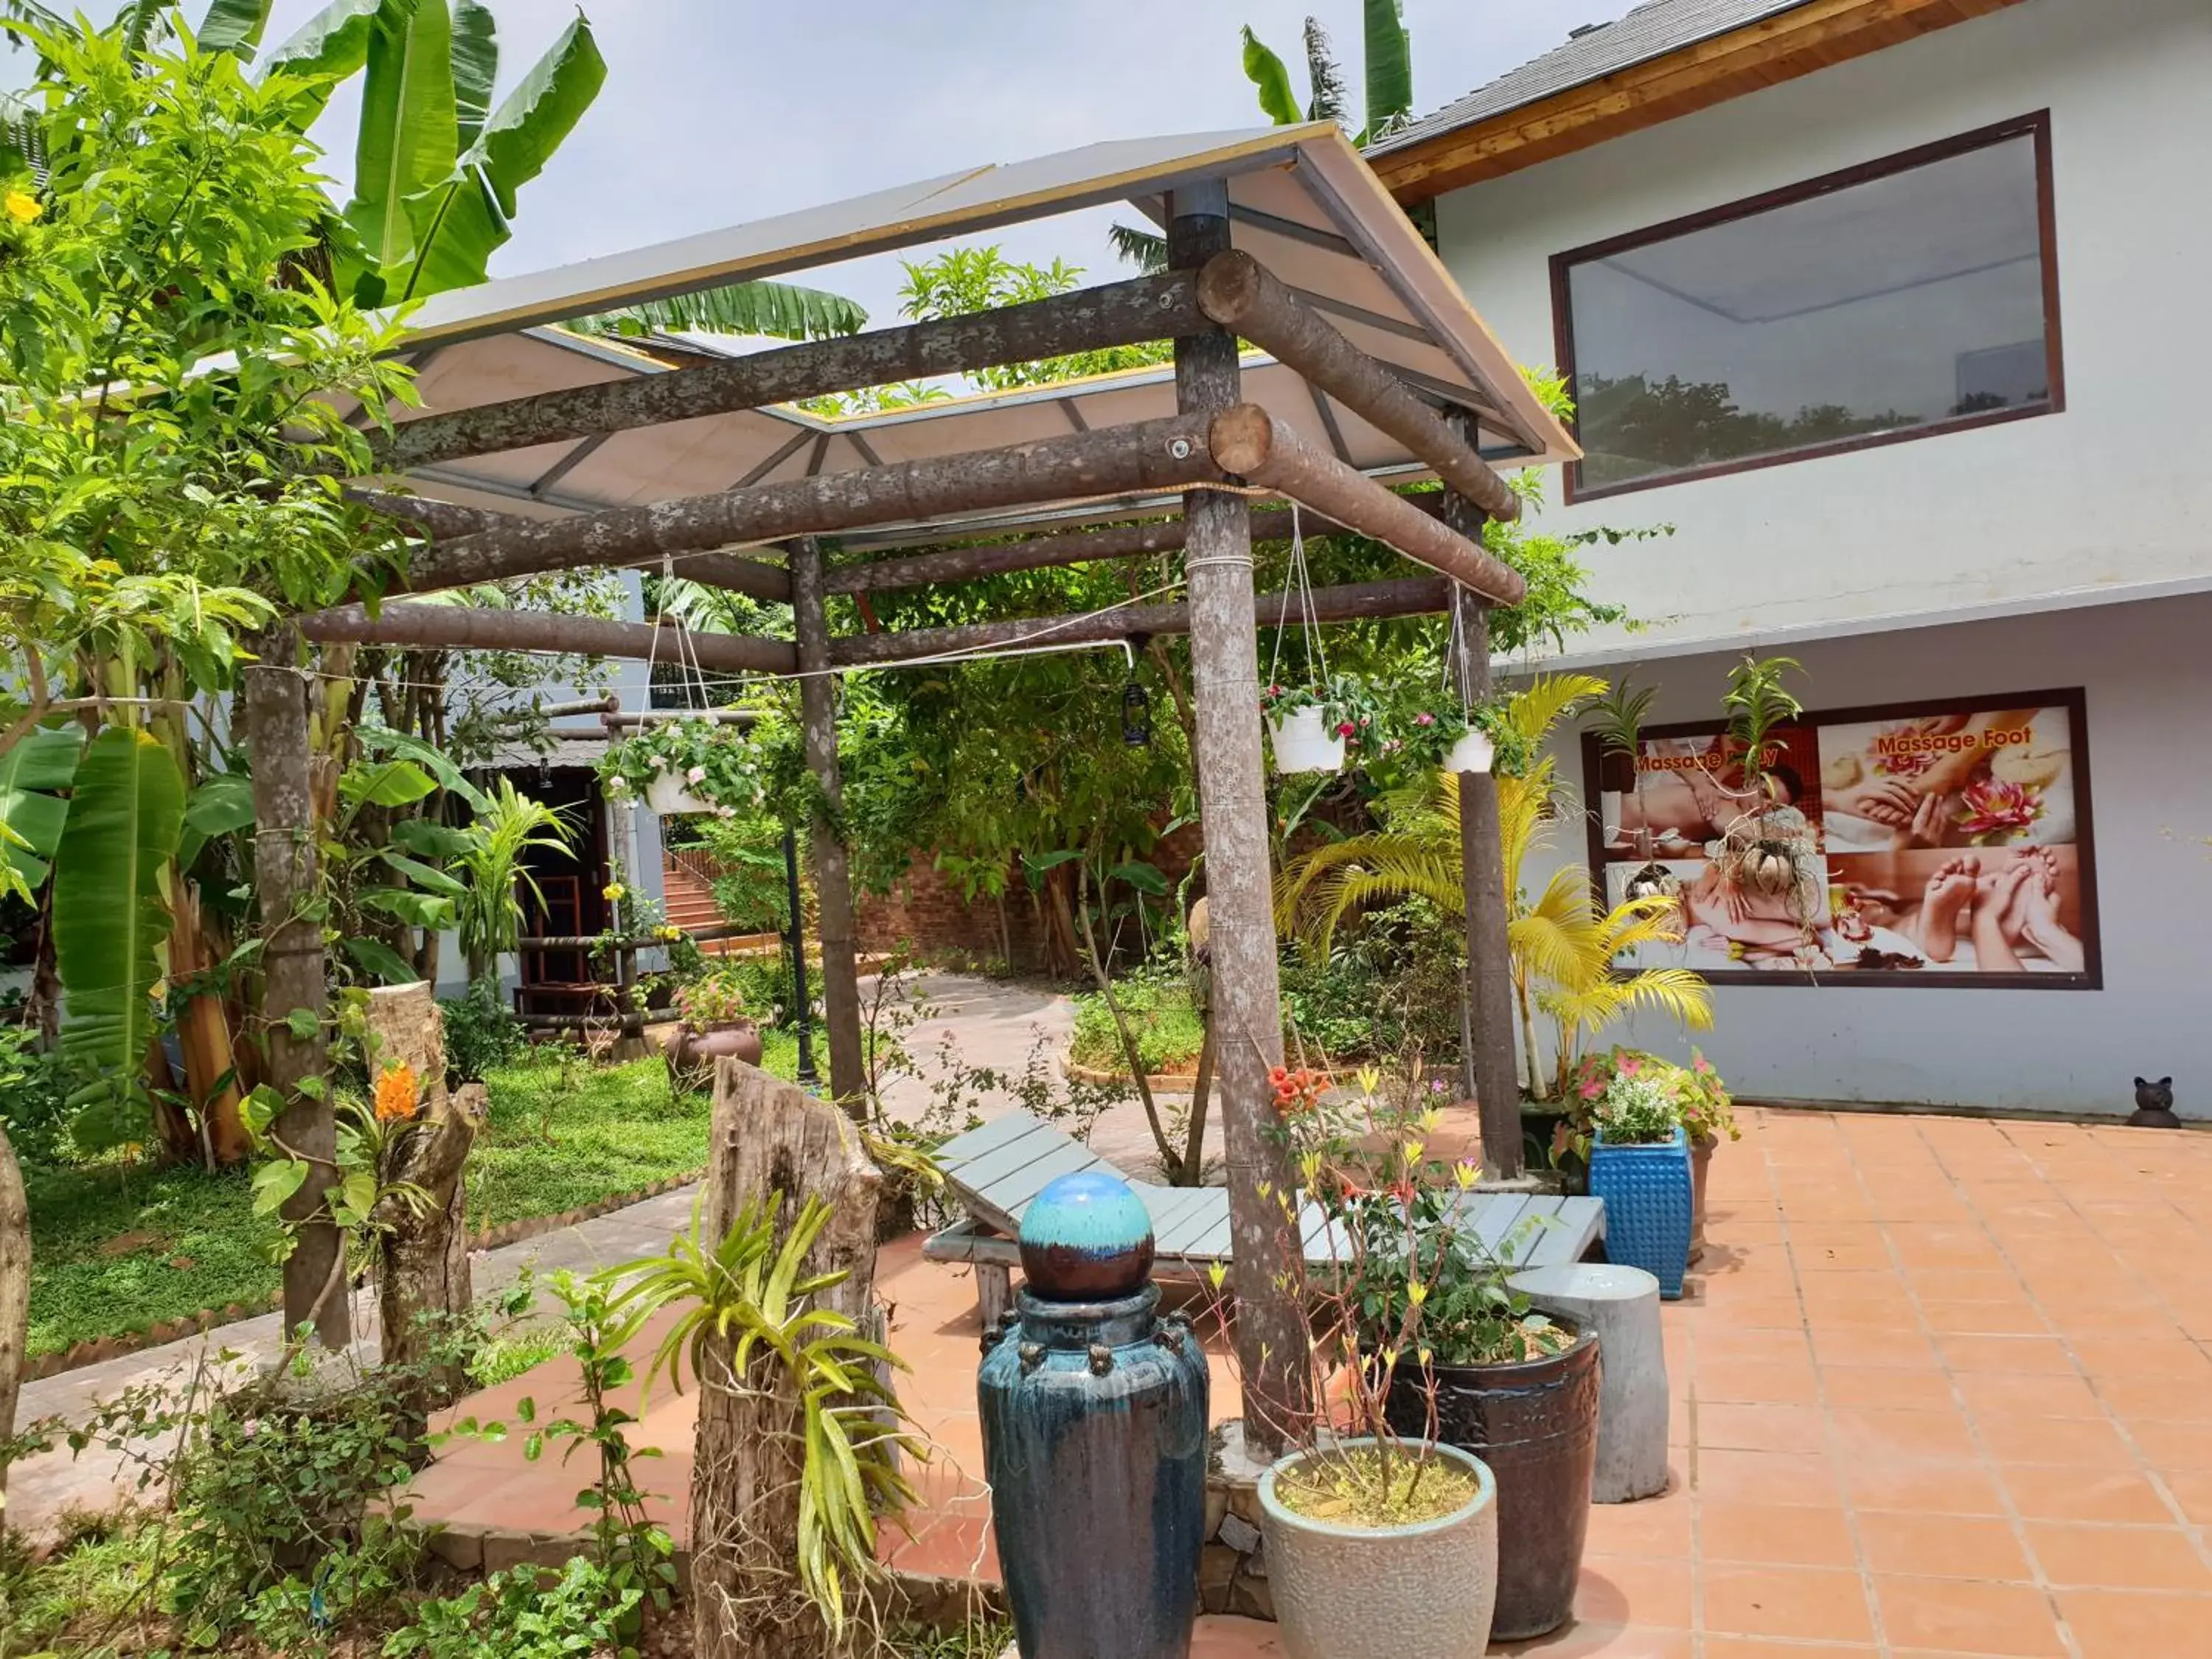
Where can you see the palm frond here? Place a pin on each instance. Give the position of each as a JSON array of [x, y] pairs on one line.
[[1147, 249], [784, 311]]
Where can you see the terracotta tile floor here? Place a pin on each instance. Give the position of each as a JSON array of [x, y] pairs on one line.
[[1945, 1387]]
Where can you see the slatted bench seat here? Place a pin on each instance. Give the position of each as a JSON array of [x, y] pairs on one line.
[[996, 1170]]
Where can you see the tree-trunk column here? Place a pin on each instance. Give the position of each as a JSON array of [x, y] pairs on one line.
[[1488, 1070], [833, 870], [295, 981], [1272, 1337]]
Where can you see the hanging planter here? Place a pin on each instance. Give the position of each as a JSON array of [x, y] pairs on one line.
[[684, 766], [1302, 741], [1423, 737], [1475, 752]]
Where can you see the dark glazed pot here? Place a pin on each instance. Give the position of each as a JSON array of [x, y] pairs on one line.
[[1535, 1425], [730, 1039], [1616, 773]]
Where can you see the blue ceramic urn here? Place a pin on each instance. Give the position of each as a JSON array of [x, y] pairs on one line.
[[1647, 1193], [1094, 1418]]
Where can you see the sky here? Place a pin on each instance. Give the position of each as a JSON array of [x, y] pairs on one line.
[[718, 112]]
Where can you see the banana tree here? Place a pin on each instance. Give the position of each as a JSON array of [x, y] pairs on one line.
[[1388, 79]]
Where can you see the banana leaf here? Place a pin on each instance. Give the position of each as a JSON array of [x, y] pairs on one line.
[[43, 759], [126, 812], [1270, 81]]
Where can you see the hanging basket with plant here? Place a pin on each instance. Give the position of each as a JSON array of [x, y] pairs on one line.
[[685, 765], [1313, 728]]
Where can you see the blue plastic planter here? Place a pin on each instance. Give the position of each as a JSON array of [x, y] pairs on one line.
[[1646, 1191]]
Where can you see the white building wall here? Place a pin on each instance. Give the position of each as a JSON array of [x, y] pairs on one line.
[[2108, 499], [2148, 678]]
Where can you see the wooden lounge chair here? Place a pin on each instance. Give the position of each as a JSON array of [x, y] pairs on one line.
[[997, 1170]]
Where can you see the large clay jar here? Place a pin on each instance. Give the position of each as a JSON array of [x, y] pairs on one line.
[[1535, 1425], [726, 1039]]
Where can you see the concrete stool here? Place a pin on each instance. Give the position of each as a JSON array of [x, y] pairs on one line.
[[1621, 1306]]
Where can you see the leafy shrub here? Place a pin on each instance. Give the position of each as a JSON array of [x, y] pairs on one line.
[[480, 1033], [33, 1099], [1156, 1001], [516, 1614], [1391, 985]]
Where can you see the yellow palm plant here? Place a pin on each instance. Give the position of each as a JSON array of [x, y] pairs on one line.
[[1563, 945]]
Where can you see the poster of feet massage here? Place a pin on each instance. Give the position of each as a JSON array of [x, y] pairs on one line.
[[1940, 842]]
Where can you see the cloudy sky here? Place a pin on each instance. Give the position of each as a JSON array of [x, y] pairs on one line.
[[716, 112]]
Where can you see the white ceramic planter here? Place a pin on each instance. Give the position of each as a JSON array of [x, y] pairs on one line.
[[669, 795], [1419, 1592], [1304, 742], [1474, 752]]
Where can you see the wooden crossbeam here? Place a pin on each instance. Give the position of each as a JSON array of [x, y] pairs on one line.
[[1248, 441], [1239, 293], [466, 628], [1090, 320]]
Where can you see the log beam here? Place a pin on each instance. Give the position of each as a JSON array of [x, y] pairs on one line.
[[1090, 319], [1248, 441], [465, 628], [1066, 547], [445, 521], [1239, 293], [1144, 457], [1411, 596]]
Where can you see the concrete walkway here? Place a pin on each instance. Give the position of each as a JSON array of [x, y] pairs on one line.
[[988, 1024]]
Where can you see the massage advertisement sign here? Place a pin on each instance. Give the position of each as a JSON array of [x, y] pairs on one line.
[[1944, 843]]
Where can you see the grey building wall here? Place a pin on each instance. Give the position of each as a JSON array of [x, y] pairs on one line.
[[2146, 670]]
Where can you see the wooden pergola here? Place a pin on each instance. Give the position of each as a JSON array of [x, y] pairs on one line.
[[538, 452]]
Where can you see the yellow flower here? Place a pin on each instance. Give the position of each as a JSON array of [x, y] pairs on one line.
[[23, 207], [612, 891], [396, 1095]]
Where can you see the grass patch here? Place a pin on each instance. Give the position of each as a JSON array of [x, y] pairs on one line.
[[1168, 1029], [117, 1250]]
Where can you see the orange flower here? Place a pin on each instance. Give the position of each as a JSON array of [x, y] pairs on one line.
[[396, 1095]]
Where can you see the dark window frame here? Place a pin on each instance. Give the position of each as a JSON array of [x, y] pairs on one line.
[[2074, 700], [2035, 127]]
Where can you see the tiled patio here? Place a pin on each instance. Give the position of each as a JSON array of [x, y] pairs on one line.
[[1946, 1388]]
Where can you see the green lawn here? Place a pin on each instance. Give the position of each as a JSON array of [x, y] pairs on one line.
[[117, 1250]]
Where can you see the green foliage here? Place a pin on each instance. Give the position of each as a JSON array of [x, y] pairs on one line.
[[715, 760], [517, 1614], [1157, 1002], [482, 1033], [781, 310], [488, 910], [1758, 702], [965, 279], [1389, 81], [126, 812], [747, 1302], [1636, 1110], [35, 1099]]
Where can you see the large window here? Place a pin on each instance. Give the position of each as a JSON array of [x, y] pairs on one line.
[[1912, 295]]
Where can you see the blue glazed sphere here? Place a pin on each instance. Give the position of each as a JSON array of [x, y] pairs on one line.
[[1086, 1238]]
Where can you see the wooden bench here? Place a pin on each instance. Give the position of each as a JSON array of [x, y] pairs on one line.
[[997, 1170]]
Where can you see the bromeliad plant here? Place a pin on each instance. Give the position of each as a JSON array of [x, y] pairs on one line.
[[712, 760]]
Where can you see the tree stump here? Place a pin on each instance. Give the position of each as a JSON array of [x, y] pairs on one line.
[[422, 1275], [770, 1140]]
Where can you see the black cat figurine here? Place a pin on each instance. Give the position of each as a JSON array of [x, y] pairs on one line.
[[2154, 1105]]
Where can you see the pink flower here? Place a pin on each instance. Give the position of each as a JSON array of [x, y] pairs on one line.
[[1592, 1090], [1345, 728], [1993, 810], [1424, 720], [696, 774], [1630, 1065], [1274, 690]]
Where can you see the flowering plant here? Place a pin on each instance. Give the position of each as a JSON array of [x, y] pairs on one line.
[[714, 761], [1348, 705], [1992, 811], [1694, 1094], [714, 998], [1638, 1109], [1421, 732]]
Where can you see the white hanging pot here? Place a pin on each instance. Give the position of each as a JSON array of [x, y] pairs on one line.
[[670, 795], [1304, 742], [1473, 752]]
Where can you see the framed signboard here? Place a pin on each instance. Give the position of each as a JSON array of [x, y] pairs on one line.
[[1952, 844]]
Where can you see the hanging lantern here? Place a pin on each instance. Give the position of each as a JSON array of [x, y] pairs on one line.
[[1136, 716]]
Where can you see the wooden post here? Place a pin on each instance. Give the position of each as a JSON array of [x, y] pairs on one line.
[[771, 1141], [833, 869], [295, 984], [15, 1295], [424, 1267], [1487, 1070], [1272, 1337]]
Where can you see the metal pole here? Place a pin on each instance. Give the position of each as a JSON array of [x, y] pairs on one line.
[[807, 1076]]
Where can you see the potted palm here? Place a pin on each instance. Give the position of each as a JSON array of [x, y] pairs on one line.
[[1639, 1164]]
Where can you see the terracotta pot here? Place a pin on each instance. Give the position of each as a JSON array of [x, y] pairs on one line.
[[1535, 1425], [1701, 1159], [726, 1039]]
